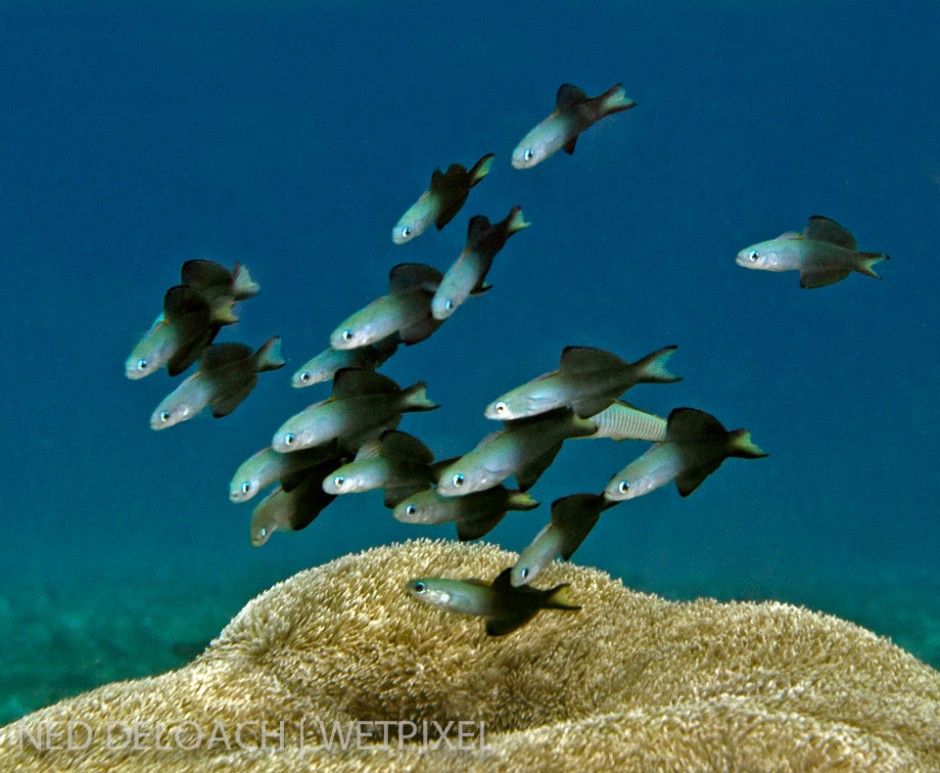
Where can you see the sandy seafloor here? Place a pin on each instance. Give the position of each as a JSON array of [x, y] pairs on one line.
[[291, 136]]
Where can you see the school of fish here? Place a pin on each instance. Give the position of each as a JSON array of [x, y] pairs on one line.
[[350, 441]]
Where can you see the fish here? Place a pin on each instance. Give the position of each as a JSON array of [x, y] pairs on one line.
[[324, 366], [444, 198], [185, 327], [266, 466], [621, 421], [574, 112], [363, 404], [522, 448], [587, 379], [220, 287], [572, 519], [406, 310], [475, 514], [397, 462], [505, 608], [292, 510], [466, 276], [696, 444], [226, 376], [825, 253]]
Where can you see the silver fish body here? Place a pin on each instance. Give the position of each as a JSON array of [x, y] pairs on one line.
[[824, 253], [574, 112], [266, 466], [325, 365]]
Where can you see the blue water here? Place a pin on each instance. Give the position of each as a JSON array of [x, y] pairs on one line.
[[291, 137]]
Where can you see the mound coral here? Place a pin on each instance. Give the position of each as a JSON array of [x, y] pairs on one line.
[[630, 682]]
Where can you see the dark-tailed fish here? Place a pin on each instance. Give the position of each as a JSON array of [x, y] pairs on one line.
[[227, 374], [475, 514], [442, 201], [362, 406], [588, 379], [505, 608], [406, 310], [395, 461], [621, 421], [267, 466], [523, 448], [291, 510], [185, 327], [574, 112], [324, 366], [825, 253], [573, 517], [220, 287], [466, 276], [696, 444]]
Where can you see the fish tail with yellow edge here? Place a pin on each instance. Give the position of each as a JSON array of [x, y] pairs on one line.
[[516, 221], [652, 367], [742, 447], [416, 399], [560, 597], [868, 259], [614, 100]]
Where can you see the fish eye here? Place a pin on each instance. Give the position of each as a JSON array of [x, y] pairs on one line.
[[347, 335], [528, 154], [411, 510], [420, 587], [406, 231], [524, 573], [305, 377], [164, 416], [623, 487], [246, 487], [289, 438], [500, 407], [264, 531], [141, 364], [339, 480], [458, 480], [449, 304], [753, 255]]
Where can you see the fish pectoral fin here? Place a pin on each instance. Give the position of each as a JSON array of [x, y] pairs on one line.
[[689, 480], [500, 626], [226, 402], [568, 147], [822, 229], [480, 289], [812, 279]]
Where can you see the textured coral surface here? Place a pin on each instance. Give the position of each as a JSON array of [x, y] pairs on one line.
[[631, 682]]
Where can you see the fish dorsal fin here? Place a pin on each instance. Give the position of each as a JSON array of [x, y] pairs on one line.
[[478, 582], [181, 301], [569, 146], [579, 359], [437, 181], [822, 229], [478, 227], [220, 356], [689, 424], [359, 382], [407, 277], [203, 274], [456, 174], [401, 445], [811, 279], [368, 450], [489, 439], [689, 480], [568, 96]]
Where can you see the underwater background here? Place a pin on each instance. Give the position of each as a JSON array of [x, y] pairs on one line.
[[291, 137]]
